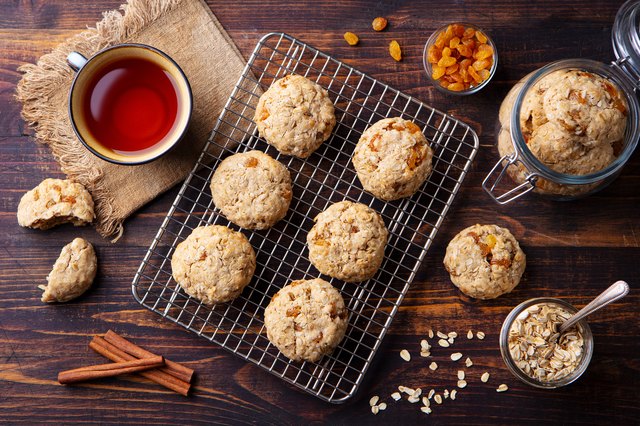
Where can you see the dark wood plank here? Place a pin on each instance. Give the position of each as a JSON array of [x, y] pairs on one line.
[[574, 249]]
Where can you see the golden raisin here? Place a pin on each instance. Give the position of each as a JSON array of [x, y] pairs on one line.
[[491, 241], [433, 54], [294, 311], [394, 50], [481, 37], [456, 87], [379, 23], [437, 72], [351, 38], [251, 162]]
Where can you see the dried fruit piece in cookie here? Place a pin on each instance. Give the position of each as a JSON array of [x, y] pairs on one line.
[[72, 273], [53, 202]]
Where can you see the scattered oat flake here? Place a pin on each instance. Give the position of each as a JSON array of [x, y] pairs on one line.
[[406, 390], [379, 23], [441, 335], [468, 362], [430, 334], [396, 396], [469, 334], [443, 343], [395, 51], [453, 335], [502, 388], [375, 409], [454, 392], [433, 366], [446, 394], [450, 340], [351, 38], [425, 401], [456, 356], [462, 384], [413, 399], [485, 377], [426, 410], [416, 393], [404, 354], [480, 335], [374, 400], [437, 398], [382, 406], [425, 354], [460, 375], [431, 393]]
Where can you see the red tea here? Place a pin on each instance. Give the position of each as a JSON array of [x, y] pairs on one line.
[[131, 104]]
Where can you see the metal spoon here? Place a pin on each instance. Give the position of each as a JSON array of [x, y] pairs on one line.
[[616, 291]]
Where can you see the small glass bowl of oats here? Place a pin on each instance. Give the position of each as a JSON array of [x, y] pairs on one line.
[[536, 353]]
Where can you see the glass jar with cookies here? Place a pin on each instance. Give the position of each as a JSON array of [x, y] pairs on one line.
[[568, 128]]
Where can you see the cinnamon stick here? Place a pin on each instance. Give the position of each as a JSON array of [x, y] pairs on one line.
[[111, 352], [92, 372], [177, 370]]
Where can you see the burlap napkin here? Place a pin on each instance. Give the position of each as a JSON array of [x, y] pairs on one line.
[[188, 32]]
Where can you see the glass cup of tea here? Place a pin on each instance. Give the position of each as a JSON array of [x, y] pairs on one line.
[[129, 104]]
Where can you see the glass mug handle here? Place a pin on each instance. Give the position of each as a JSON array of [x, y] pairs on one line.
[[528, 185], [76, 61]]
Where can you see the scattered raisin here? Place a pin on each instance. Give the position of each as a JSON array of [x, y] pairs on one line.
[[293, 311], [379, 23], [395, 51], [351, 38]]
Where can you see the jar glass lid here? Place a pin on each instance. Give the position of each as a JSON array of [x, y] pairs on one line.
[[626, 39]]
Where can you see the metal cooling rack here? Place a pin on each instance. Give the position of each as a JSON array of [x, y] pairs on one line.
[[327, 176]]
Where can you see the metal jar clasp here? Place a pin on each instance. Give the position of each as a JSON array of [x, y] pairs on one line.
[[505, 162]]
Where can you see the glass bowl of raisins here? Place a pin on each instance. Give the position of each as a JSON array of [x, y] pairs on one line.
[[460, 58]]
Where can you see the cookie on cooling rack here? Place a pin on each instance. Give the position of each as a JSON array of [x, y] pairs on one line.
[[252, 189], [485, 261], [392, 159], [213, 264], [295, 115], [306, 319], [348, 241]]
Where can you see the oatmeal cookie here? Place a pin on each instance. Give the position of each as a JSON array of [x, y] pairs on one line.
[[485, 261], [392, 159], [214, 264], [252, 190], [72, 274], [53, 202], [348, 241], [295, 115], [306, 319]]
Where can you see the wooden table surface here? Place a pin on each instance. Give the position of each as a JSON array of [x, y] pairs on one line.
[[574, 249]]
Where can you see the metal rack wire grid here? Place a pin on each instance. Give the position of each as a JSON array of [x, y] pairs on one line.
[[324, 178]]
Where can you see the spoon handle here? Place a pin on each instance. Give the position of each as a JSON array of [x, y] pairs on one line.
[[616, 291]]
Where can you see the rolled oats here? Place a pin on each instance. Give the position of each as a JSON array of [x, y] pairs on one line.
[[538, 350]]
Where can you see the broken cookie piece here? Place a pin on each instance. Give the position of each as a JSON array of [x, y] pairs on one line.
[[72, 274], [53, 202]]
